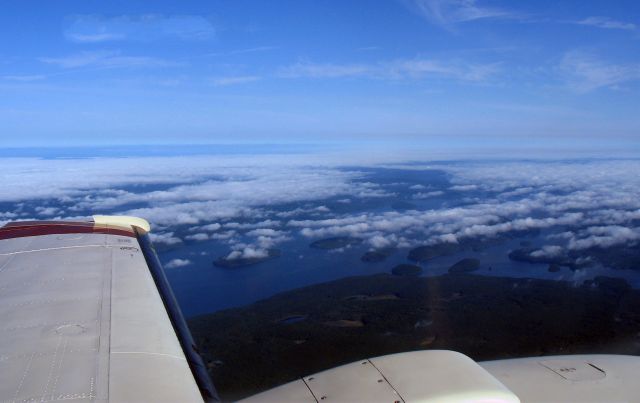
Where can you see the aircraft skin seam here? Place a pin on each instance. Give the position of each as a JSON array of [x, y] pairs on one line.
[[56, 248], [149, 353], [309, 388], [387, 381]]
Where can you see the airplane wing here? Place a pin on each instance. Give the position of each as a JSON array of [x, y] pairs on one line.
[[88, 315]]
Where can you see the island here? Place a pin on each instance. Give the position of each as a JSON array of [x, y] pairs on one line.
[[465, 266], [378, 255], [428, 252]]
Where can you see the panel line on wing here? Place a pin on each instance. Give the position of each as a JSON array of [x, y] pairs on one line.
[[49, 249], [149, 353]]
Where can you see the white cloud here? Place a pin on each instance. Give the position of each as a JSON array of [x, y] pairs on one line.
[[548, 251], [528, 195], [380, 242], [259, 224], [605, 236], [247, 253], [428, 195], [47, 211], [264, 232], [194, 189], [607, 23], [223, 235], [165, 238], [201, 236], [211, 227], [175, 263], [463, 188]]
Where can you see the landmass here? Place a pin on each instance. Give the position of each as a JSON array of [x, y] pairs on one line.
[[378, 255], [296, 333], [407, 270]]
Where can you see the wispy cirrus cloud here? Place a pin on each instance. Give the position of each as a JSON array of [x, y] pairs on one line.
[[394, 70], [447, 12], [606, 23], [233, 80], [97, 28], [324, 70], [106, 59], [24, 78], [253, 50], [585, 72]]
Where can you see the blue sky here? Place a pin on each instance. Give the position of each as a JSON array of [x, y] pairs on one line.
[[447, 73]]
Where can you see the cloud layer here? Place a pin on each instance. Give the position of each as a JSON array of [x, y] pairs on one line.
[[253, 204]]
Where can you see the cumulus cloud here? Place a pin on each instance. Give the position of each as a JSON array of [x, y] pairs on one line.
[[428, 195], [47, 211], [211, 227], [201, 236], [264, 232], [548, 251], [521, 196], [247, 253], [380, 241], [165, 238], [463, 188], [175, 263], [605, 236]]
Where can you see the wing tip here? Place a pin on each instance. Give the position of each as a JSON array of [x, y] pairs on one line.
[[123, 221]]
